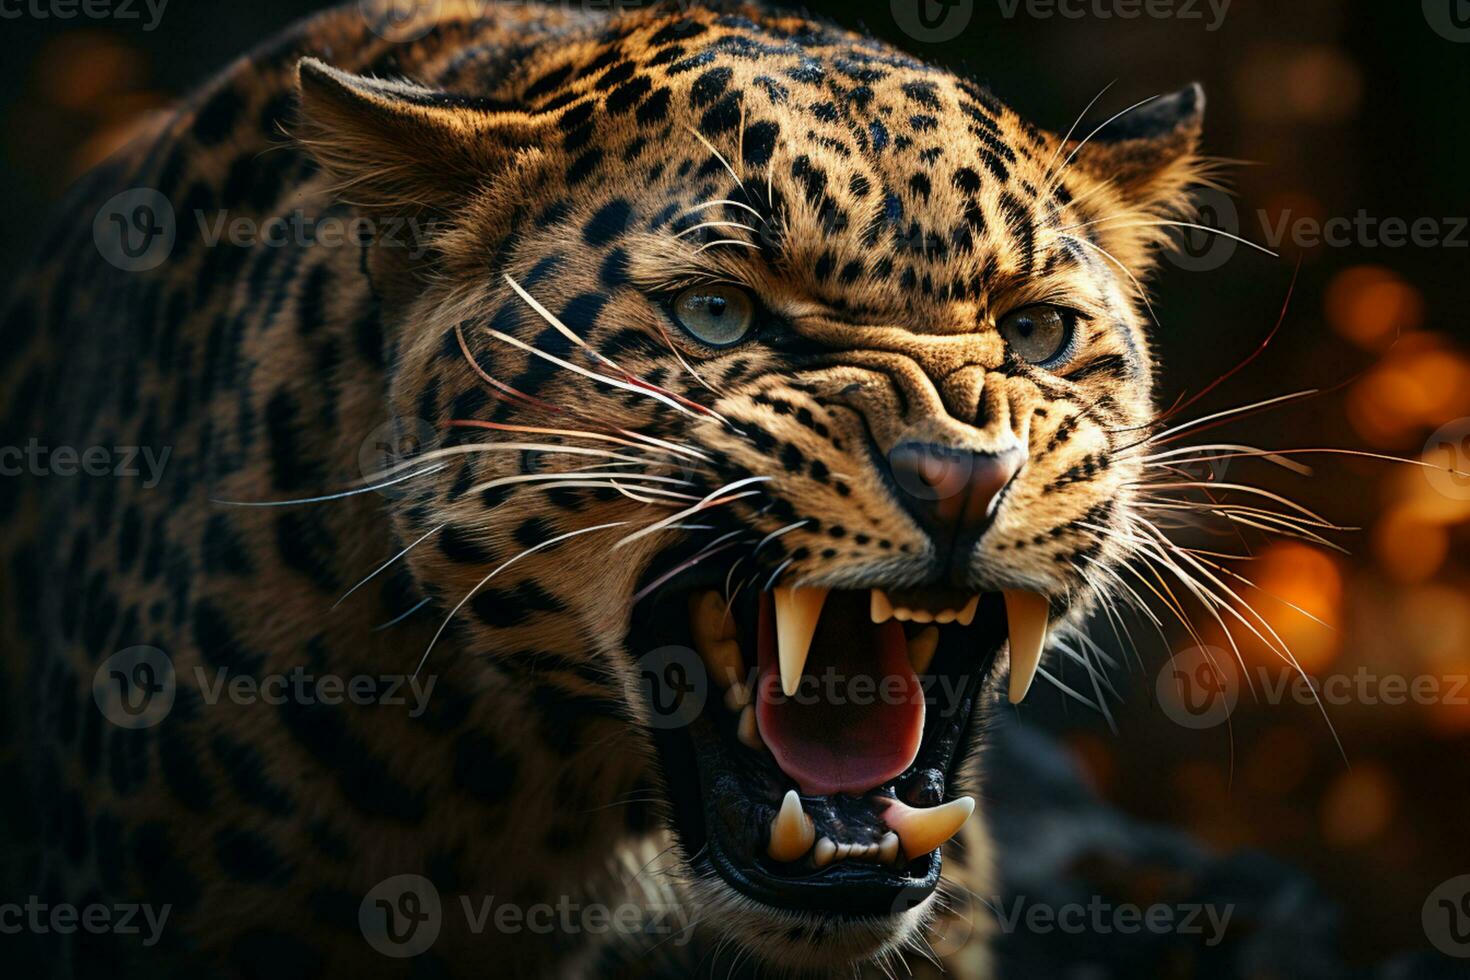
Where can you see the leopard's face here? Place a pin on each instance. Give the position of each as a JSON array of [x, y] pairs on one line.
[[758, 341]]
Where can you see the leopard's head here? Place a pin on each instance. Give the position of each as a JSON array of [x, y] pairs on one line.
[[782, 371]]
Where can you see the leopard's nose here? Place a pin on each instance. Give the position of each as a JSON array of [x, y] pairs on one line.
[[952, 492]]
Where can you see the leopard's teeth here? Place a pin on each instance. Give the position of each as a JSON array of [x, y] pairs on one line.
[[922, 647], [1026, 617], [797, 612], [883, 851], [792, 831], [747, 730], [881, 608], [738, 696], [713, 631], [724, 661], [922, 830], [966, 614]]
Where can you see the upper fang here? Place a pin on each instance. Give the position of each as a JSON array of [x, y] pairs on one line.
[[797, 612]]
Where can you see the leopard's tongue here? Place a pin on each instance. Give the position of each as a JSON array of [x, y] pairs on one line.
[[857, 718]]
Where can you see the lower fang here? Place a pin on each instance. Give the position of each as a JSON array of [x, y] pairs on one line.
[[922, 647], [922, 830], [792, 832]]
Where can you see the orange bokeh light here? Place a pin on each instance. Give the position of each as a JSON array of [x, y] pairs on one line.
[[1359, 806], [1421, 382], [1370, 306]]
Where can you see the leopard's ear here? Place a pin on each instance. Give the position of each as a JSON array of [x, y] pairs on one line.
[[399, 146], [1150, 152]]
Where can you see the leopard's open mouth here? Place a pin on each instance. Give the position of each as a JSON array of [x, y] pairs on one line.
[[815, 772]]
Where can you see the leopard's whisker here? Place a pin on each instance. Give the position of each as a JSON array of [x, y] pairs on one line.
[[712, 500], [632, 383], [402, 616], [1138, 286], [644, 495], [689, 368], [1201, 507], [1271, 455], [500, 568], [726, 241], [1239, 487], [716, 224], [385, 564], [668, 447], [1140, 604], [502, 390], [726, 202], [739, 181], [1071, 692], [776, 534], [716, 546], [1061, 144], [330, 496], [1280, 647], [776, 575], [1214, 603], [1188, 225], [505, 481], [1222, 569], [604, 379], [1274, 525], [1052, 184], [1228, 413], [471, 448]]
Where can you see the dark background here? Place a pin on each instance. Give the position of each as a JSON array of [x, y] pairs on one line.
[[1329, 107]]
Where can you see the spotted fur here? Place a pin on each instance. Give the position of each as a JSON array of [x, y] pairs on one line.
[[886, 212]]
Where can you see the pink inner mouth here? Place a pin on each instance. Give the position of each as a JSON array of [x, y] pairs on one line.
[[857, 719]]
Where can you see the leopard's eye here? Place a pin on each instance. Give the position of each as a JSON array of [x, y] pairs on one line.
[[1040, 335], [715, 315]]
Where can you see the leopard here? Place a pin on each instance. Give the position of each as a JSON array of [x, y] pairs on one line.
[[607, 461]]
